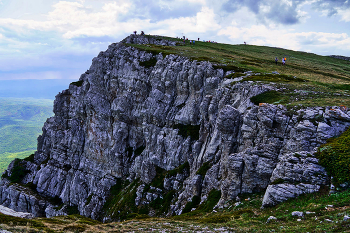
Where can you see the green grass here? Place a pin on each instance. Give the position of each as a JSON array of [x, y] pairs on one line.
[[21, 121], [247, 217], [324, 78], [335, 157]]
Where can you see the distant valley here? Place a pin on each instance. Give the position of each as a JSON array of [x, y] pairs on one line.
[[21, 121]]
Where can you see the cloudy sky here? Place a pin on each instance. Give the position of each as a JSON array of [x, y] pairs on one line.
[[53, 39]]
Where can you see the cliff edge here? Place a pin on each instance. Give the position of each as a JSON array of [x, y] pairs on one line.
[[157, 134]]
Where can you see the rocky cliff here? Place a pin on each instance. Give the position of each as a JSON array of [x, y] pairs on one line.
[[155, 134]]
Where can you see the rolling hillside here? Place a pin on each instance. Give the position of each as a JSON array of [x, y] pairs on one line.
[[21, 121], [307, 79]]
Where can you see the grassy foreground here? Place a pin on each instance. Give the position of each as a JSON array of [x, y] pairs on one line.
[[322, 213], [307, 79]]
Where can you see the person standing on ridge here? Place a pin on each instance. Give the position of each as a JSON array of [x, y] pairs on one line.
[[276, 60], [283, 61]]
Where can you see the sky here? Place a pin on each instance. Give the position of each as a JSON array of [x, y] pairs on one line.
[[53, 39]]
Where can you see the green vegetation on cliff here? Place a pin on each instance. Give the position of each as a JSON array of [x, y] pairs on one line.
[[335, 157]]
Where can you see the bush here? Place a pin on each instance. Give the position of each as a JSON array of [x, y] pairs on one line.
[[30, 158], [335, 157], [72, 210], [188, 130], [78, 83], [192, 204], [266, 97], [213, 198], [203, 169], [149, 63], [18, 172]]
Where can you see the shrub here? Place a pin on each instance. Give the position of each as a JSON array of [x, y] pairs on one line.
[[30, 158], [203, 169], [151, 62], [78, 83], [178, 170], [335, 157], [278, 181], [192, 204], [72, 210], [188, 130], [18, 172], [213, 198], [88, 200], [266, 97]]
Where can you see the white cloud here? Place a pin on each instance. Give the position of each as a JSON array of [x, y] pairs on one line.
[[345, 14], [204, 21], [74, 19], [261, 35]]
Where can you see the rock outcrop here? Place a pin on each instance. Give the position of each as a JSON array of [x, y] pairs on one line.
[[134, 116], [11, 212]]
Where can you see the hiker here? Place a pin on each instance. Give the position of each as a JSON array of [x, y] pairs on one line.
[[135, 32], [283, 61], [198, 38], [245, 43], [194, 42], [190, 42], [142, 33], [276, 60]]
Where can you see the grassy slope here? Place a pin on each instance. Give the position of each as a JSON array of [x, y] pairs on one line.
[[327, 80], [21, 121], [247, 217]]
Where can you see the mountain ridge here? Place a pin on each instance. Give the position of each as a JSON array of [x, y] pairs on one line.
[[122, 135]]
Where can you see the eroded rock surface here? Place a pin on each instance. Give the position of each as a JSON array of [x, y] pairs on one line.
[[125, 121]]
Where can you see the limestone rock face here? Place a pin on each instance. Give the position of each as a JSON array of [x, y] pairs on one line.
[[124, 120]]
